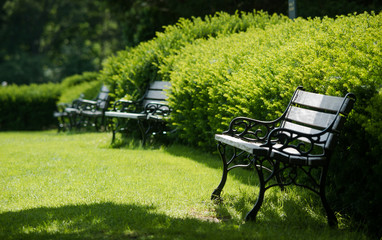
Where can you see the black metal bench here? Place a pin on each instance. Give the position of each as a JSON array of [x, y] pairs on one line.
[[300, 142], [150, 111], [84, 113]]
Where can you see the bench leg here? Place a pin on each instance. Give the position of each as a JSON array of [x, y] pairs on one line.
[[216, 193], [113, 129], [116, 124], [332, 220], [251, 215], [71, 121], [144, 131]]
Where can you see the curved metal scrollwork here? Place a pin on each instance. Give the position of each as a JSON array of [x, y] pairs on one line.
[[158, 109], [250, 129], [288, 140]]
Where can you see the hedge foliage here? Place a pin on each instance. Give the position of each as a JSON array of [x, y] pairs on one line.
[[31, 107], [254, 73], [249, 64], [28, 107], [129, 71], [84, 85]]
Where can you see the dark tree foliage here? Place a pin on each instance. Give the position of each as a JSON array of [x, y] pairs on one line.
[[140, 19], [333, 8], [47, 40]]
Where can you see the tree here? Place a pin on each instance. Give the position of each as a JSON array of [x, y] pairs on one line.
[[47, 40]]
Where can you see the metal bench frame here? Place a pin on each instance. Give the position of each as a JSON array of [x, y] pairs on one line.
[[85, 113], [150, 111], [300, 142]]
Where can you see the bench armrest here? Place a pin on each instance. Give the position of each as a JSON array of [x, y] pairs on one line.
[[250, 129], [87, 102], [292, 141], [84, 104], [155, 108]]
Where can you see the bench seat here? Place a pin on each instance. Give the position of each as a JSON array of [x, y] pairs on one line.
[[126, 115], [289, 155]]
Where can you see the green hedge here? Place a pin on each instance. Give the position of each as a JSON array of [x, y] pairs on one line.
[[254, 74], [28, 107], [84, 85], [129, 71], [31, 107]]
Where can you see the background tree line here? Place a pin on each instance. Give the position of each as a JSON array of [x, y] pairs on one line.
[[48, 40]]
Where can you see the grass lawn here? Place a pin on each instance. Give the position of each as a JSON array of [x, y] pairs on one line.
[[74, 186]]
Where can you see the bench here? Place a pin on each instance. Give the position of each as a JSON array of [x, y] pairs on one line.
[[150, 111], [293, 149], [85, 113]]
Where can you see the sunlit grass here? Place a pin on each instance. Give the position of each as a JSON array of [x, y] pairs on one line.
[[74, 186]]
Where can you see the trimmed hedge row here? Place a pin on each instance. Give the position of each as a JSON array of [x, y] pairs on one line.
[[31, 107], [129, 71], [255, 72], [28, 107], [84, 85]]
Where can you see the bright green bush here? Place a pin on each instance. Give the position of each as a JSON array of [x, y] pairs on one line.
[[129, 71], [77, 79], [28, 107], [254, 74], [84, 85]]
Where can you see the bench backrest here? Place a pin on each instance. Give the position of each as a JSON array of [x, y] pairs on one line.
[[312, 113], [103, 98], [156, 93]]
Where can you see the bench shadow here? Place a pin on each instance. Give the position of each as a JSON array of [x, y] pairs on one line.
[[129, 221], [98, 221]]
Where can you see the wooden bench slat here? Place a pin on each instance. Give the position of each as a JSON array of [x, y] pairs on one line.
[[299, 128], [310, 117], [105, 89], [156, 95], [306, 130], [319, 101], [160, 85], [103, 96]]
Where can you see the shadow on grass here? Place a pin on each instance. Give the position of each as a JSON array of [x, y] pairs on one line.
[[99, 221], [119, 221]]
